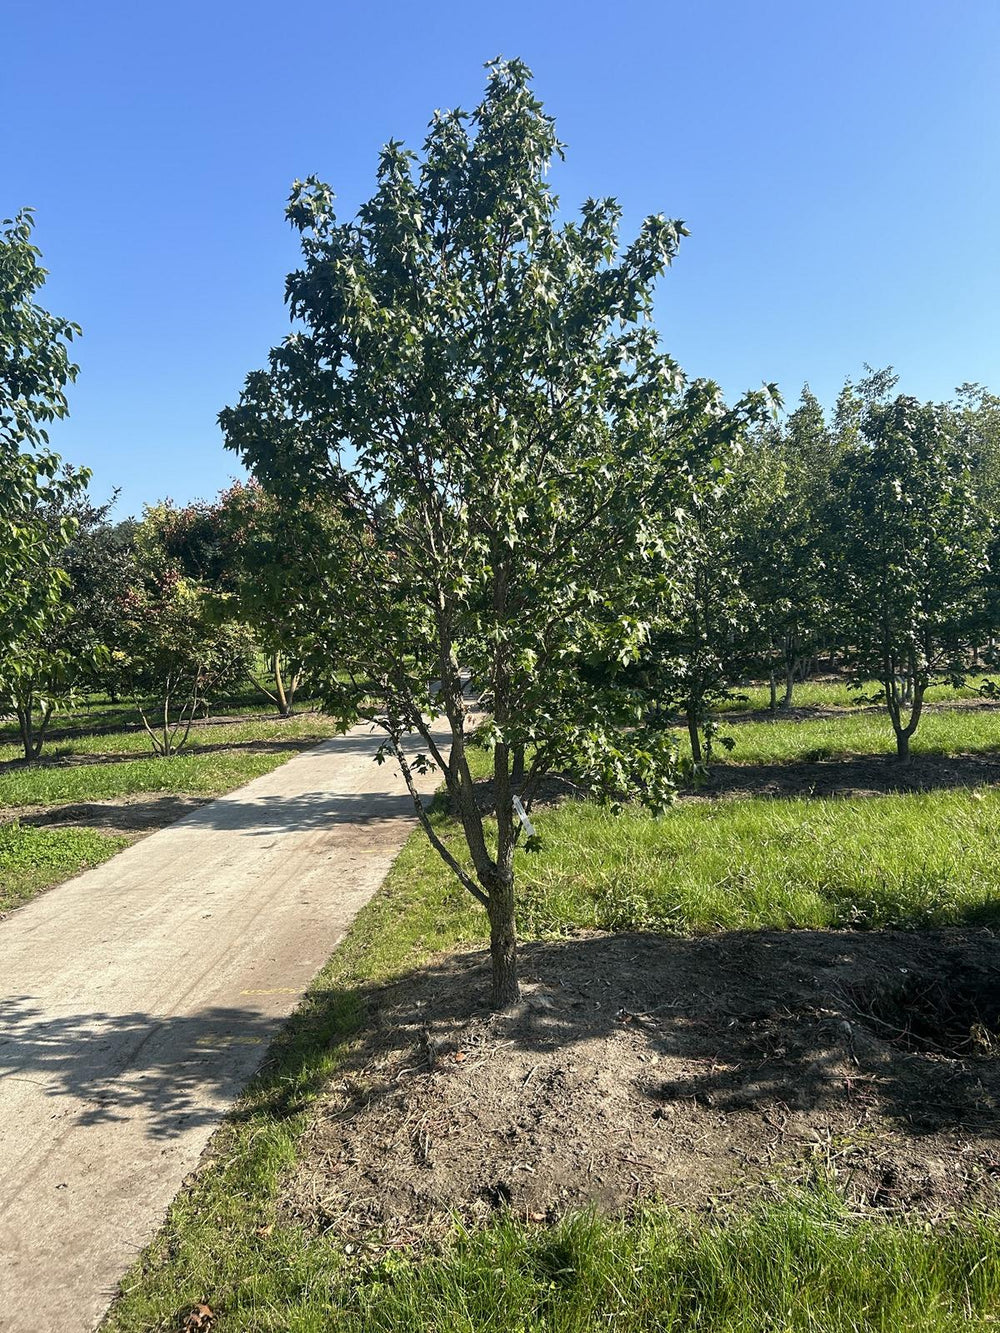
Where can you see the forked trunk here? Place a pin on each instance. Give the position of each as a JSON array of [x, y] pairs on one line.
[[32, 737]]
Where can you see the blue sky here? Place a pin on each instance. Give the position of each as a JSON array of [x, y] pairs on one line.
[[838, 165]]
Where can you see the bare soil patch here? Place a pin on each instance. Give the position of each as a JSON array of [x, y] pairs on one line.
[[129, 815], [641, 1067], [861, 775]]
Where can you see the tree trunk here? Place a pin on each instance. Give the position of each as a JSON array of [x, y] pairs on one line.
[[503, 944], [790, 662], [694, 735], [773, 683], [789, 685], [517, 766], [25, 722], [284, 707], [902, 745]]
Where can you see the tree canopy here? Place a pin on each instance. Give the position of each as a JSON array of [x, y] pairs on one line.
[[478, 386]]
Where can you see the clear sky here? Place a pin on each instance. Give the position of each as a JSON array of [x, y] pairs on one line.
[[837, 162]]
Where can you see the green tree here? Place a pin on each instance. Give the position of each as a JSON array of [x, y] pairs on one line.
[[271, 563], [181, 644], [479, 390], [705, 635], [907, 554], [782, 544], [35, 369], [978, 415]]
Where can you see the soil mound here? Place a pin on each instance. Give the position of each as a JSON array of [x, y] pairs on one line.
[[687, 1070]]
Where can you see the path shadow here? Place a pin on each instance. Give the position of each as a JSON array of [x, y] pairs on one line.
[[268, 816], [177, 1072]]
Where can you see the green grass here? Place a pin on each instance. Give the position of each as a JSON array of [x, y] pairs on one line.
[[32, 859], [943, 731], [95, 765], [202, 768], [907, 860], [801, 1263], [207, 735], [838, 694]]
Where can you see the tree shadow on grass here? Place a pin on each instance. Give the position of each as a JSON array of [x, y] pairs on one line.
[[850, 775]]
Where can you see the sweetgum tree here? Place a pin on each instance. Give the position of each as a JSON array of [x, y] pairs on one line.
[[35, 369], [476, 387], [908, 554]]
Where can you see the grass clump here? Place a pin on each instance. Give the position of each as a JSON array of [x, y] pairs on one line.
[[907, 860], [802, 1264], [32, 859]]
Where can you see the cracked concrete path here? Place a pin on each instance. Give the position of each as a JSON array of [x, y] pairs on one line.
[[138, 999]]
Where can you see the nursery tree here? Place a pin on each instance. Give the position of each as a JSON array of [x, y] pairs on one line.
[[907, 553], [477, 388], [34, 371], [272, 550], [708, 630], [100, 563], [784, 542], [180, 642]]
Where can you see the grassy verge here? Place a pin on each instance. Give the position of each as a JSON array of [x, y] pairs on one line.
[[802, 1263], [838, 694], [908, 860], [947, 731], [32, 859], [903, 861], [97, 765]]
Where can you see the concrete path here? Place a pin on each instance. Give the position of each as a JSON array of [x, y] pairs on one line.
[[137, 999]]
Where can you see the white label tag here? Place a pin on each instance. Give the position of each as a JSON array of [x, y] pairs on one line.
[[522, 815]]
